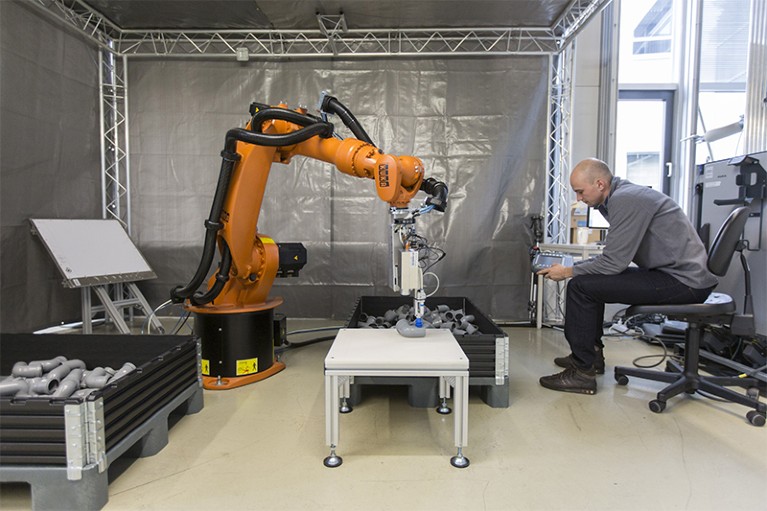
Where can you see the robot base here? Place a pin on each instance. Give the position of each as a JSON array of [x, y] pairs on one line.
[[226, 383]]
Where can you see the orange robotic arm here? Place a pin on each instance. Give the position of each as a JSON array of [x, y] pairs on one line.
[[250, 260]]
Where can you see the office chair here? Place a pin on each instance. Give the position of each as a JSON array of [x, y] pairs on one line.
[[719, 308]]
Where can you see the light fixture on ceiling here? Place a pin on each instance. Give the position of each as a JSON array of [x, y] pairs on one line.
[[242, 54]]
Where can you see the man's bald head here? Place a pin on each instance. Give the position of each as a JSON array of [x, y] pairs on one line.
[[591, 180], [593, 169]]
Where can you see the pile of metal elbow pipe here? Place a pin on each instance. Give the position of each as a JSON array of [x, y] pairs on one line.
[[59, 378], [455, 320]]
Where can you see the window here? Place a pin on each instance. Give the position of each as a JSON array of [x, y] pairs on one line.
[[653, 33], [723, 69], [643, 168], [647, 33], [643, 137]]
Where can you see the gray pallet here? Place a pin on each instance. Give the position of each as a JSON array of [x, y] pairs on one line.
[[52, 490]]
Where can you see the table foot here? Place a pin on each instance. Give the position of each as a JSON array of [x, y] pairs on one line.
[[459, 460], [345, 407], [333, 460], [443, 409]]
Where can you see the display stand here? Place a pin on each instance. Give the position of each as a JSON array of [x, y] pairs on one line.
[[91, 255]]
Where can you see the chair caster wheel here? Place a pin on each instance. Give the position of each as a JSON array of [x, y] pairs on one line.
[[756, 418], [621, 379], [753, 392], [657, 406]]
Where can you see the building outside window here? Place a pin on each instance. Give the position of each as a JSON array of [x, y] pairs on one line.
[[649, 78]]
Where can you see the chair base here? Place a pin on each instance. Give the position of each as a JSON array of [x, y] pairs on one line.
[[687, 381]]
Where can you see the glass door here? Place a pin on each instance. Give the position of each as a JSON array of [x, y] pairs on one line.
[[643, 137]]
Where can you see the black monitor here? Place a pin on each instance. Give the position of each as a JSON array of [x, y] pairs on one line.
[[595, 220]]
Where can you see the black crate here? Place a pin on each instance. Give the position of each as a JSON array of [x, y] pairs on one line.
[[32, 429], [479, 348]]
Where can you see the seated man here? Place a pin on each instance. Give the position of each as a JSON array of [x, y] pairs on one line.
[[647, 228]]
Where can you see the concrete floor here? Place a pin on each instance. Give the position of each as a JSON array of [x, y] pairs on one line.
[[262, 446]]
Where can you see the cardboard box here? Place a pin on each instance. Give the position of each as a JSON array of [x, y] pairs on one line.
[[578, 215], [595, 235]]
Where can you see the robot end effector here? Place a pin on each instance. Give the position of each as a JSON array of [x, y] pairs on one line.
[[406, 246], [438, 192]]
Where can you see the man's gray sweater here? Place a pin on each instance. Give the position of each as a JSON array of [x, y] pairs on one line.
[[651, 230]]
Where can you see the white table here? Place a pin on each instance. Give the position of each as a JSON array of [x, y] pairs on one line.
[[577, 251], [384, 352]]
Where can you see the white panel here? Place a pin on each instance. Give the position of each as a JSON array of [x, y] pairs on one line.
[[89, 252]]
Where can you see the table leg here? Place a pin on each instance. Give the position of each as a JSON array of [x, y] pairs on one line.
[[331, 420], [444, 394], [539, 305], [345, 393], [461, 404]]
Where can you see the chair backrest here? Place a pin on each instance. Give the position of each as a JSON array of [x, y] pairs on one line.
[[726, 241]]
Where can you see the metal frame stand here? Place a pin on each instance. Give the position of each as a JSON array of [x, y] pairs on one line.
[[115, 309]]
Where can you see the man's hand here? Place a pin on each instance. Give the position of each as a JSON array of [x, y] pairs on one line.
[[557, 272]]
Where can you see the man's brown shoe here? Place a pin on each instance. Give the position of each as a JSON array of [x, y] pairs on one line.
[[572, 379]]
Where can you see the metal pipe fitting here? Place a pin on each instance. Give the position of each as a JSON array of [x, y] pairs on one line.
[[95, 379], [69, 384], [49, 382], [125, 369], [13, 386], [405, 329], [24, 370]]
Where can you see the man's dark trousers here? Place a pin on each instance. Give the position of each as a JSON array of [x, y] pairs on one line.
[[588, 294]]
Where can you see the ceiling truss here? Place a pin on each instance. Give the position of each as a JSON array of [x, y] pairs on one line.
[[331, 39]]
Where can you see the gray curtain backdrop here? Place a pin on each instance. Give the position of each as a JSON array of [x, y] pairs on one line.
[[478, 124], [49, 159]]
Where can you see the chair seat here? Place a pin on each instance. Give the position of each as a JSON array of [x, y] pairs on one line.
[[717, 304]]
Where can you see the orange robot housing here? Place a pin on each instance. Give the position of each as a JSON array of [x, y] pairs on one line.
[[234, 317]]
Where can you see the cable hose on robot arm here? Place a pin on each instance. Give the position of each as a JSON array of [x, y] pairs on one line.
[[212, 225], [268, 114], [222, 277], [323, 129], [230, 157], [332, 105]]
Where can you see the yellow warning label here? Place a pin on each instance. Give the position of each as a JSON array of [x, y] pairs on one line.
[[205, 367], [247, 366]]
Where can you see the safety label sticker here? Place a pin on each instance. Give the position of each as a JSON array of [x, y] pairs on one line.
[[247, 366], [205, 367]]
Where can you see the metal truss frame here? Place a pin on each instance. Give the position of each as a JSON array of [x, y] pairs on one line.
[[558, 146], [332, 39], [575, 17], [115, 145], [335, 41]]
